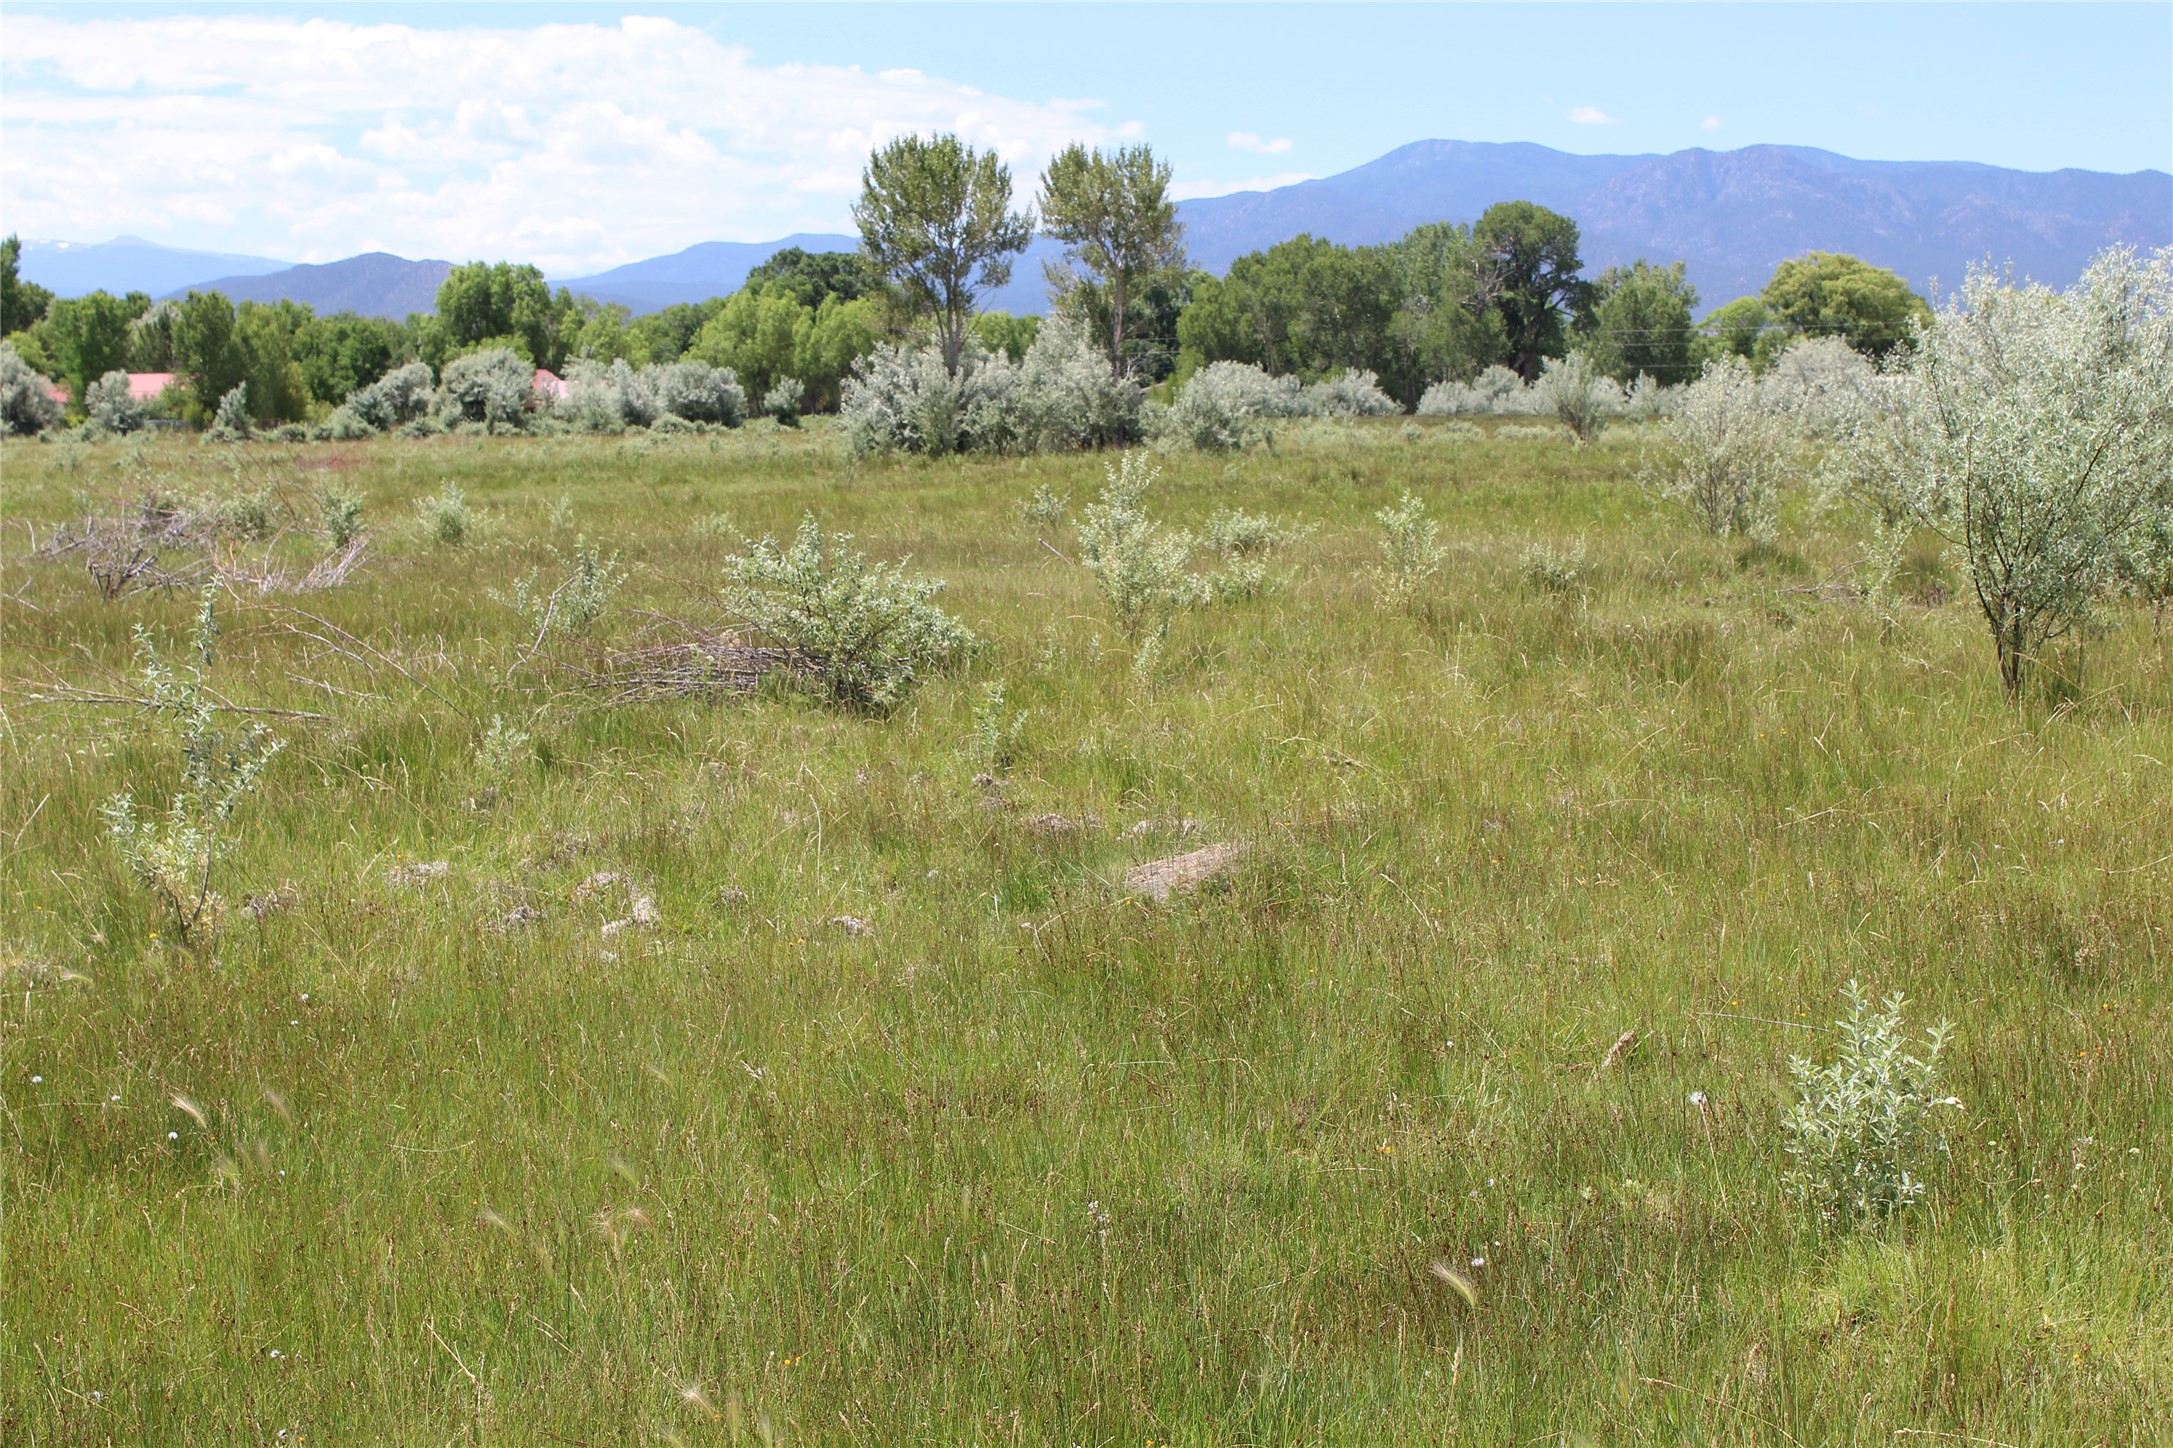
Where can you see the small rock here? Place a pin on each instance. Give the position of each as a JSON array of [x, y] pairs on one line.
[[852, 925], [422, 872], [985, 780], [272, 903], [597, 883], [1158, 878], [731, 895], [644, 911], [1052, 824], [519, 917]]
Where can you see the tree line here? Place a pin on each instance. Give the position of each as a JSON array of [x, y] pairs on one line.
[[939, 230]]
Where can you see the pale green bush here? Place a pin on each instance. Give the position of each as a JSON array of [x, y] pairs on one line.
[[1580, 396], [231, 422], [1723, 453], [1140, 565], [1047, 508], [583, 594], [173, 855], [1861, 1124], [2033, 429], [112, 410], [342, 515], [445, 516], [997, 729], [1553, 570], [492, 388], [1410, 548], [1225, 406], [27, 406], [866, 632]]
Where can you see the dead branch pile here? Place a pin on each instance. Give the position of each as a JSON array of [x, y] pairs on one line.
[[699, 662]]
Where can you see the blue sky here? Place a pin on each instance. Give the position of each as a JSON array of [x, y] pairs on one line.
[[571, 136]]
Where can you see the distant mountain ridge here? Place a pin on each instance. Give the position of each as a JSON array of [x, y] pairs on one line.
[[376, 284], [1731, 215]]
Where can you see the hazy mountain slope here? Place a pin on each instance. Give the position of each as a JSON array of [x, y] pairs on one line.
[[130, 264]]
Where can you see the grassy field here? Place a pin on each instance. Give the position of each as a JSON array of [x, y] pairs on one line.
[[1033, 1160]]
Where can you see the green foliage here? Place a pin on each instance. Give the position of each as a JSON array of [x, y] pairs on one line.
[[1004, 333], [1860, 1126], [1411, 551], [21, 303], [935, 217], [89, 336], [173, 855], [1641, 324], [814, 277], [1734, 331], [343, 353], [482, 307], [1831, 294], [1118, 222], [1046, 509], [866, 632]]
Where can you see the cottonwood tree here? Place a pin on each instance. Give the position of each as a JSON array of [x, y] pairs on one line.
[[1832, 294], [2033, 429], [1641, 323], [1115, 216], [935, 217], [1527, 264]]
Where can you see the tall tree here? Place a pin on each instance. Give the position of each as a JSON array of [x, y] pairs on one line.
[[504, 305], [1641, 323], [1526, 267], [935, 217], [89, 336], [1115, 216], [204, 347], [1832, 294], [21, 302]]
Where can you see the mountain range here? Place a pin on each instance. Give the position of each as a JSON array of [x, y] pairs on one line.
[[1731, 215]]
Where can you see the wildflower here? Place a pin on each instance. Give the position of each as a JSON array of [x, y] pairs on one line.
[[173, 1136], [37, 1080], [1478, 1261], [1697, 1099]]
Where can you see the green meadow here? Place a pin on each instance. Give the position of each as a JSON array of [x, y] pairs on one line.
[[585, 1056]]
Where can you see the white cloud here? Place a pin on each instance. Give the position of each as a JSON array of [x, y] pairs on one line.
[[1248, 141], [1194, 190], [1592, 116], [574, 146], [1710, 123]]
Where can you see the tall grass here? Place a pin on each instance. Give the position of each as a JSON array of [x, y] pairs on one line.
[[1030, 1160]]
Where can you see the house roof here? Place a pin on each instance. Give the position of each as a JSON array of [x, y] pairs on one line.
[[548, 382], [146, 386]]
